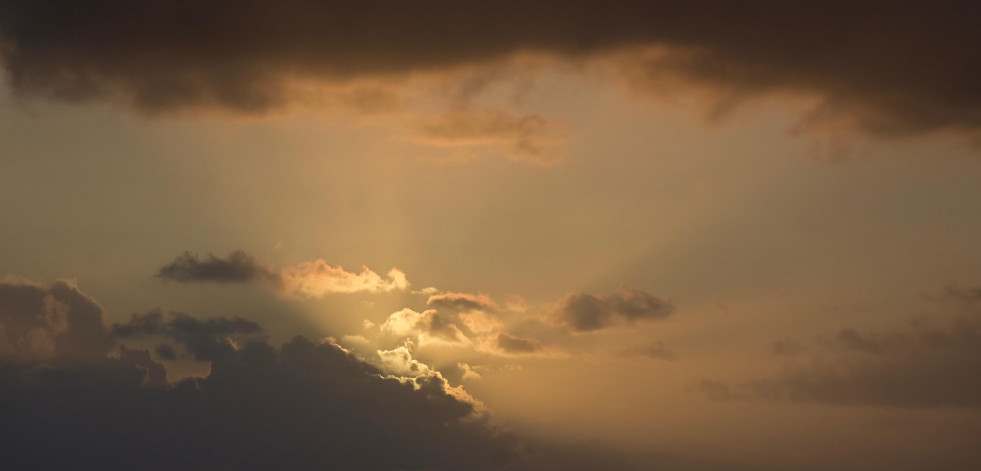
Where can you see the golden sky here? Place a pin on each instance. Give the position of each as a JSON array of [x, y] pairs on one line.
[[511, 235]]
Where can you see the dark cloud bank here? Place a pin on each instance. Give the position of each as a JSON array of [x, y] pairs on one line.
[[896, 67], [72, 398]]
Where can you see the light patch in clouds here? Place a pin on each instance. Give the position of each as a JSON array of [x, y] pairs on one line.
[[427, 327], [317, 278], [398, 361], [526, 137]]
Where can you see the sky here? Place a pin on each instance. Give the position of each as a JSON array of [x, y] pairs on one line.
[[444, 235]]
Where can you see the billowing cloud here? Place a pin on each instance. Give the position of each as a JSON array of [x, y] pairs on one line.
[[238, 267], [428, 326], [656, 350], [895, 68], [584, 312], [303, 405], [316, 279], [55, 322], [313, 279]]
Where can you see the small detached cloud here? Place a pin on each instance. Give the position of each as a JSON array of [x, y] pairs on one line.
[[313, 279], [504, 344], [583, 312], [238, 267], [462, 301]]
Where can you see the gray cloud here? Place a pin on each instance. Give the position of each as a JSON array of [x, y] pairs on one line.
[[923, 366], [55, 322], [462, 301], [516, 345], [206, 339], [238, 267], [896, 68], [584, 312]]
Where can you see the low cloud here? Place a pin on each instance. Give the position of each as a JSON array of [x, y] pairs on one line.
[[56, 322], [207, 339], [317, 278], [584, 312], [302, 405], [427, 327], [932, 363], [462, 301], [238, 267], [313, 279]]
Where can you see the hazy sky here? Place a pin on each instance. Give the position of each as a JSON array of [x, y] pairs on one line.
[[512, 235]]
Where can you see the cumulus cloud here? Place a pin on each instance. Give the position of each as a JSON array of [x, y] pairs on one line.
[[238, 267], [303, 405], [584, 312], [894, 68], [428, 327], [930, 364], [55, 322]]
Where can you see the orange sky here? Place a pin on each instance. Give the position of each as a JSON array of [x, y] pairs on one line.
[[691, 247]]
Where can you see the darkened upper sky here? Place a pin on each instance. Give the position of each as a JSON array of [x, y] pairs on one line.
[[899, 67]]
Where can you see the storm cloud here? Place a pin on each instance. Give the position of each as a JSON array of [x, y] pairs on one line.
[[893, 67]]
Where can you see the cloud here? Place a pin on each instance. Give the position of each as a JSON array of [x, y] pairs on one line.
[[504, 344], [207, 339], [317, 278], [462, 301], [313, 279], [584, 312], [923, 366], [427, 326], [529, 137], [56, 322], [894, 68], [656, 350], [238, 267]]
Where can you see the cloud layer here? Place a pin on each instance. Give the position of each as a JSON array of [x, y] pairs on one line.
[[303, 405], [896, 68]]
